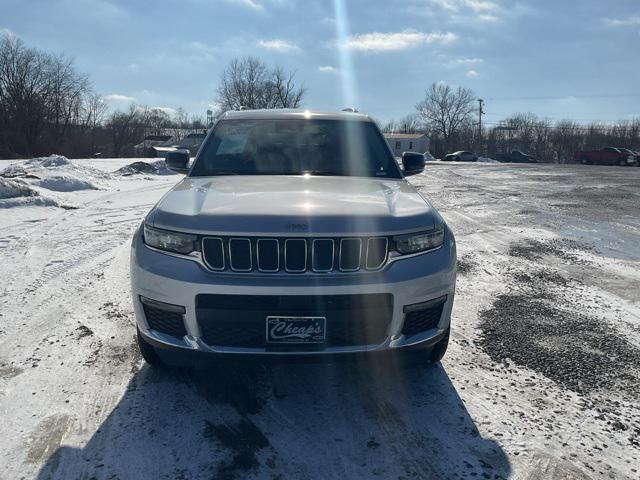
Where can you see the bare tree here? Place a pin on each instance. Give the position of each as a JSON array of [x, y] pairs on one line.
[[446, 111], [94, 109], [249, 82], [284, 92], [127, 128]]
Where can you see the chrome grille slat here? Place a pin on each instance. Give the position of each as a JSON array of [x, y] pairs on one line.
[[317, 255]]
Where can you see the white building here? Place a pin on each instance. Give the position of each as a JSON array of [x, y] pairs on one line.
[[407, 142]]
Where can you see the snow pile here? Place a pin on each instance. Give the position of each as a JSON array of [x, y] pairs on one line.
[[487, 160], [158, 167], [57, 173], [15, 193], [66, 183], [13, 189], [50, 161]]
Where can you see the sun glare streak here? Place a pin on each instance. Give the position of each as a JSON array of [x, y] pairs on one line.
[[349, 90]]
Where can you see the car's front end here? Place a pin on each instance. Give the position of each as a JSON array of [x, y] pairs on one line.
[[292, 266]]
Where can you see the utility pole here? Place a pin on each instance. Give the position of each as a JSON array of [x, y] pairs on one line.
[[480, 113]]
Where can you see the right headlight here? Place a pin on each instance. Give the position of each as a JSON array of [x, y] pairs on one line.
[[419, 242], [176, 242]]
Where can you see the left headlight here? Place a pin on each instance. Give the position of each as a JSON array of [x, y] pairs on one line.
[[176, 242], [420, 242]]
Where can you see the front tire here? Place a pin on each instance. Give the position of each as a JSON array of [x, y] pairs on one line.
[[148, 352], [584, 161], [439, 349]]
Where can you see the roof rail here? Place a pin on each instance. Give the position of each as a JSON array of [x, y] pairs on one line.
[[350, 109]]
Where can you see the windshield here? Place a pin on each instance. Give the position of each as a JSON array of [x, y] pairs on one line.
[[295, 147]]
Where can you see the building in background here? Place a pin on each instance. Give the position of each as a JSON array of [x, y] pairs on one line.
[[407, 142], [160, 145]]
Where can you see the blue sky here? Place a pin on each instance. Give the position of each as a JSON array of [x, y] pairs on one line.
[[560, 59]]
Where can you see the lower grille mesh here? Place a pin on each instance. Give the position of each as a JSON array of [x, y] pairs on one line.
[[162, 321], [240, 320], [420, 320]]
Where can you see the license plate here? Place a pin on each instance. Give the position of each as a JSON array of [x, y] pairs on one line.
[[296, 329]]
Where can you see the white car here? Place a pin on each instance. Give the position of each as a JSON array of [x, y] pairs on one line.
[[294, 233], [461, 156]]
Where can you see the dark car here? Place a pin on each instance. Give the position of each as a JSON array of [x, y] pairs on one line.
[[516, 156], [461, 156]]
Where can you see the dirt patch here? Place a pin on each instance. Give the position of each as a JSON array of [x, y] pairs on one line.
[[578, 351], [244, 387], [465, 266], [244, 439], [564, 249], [83, 331], [544, 277], [540, 325]]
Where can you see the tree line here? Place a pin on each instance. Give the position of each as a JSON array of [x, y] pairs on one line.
[[450, 117], [47, 106]]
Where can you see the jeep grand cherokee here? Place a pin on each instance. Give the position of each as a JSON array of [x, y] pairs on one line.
[[294, 233]]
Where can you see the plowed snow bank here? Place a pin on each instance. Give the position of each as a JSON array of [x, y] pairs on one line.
[[15, 193], [57, 173]]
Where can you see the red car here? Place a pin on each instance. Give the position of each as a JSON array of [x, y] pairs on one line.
[[605, 156]]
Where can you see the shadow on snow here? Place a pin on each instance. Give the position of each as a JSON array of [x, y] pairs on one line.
[[285, 421]]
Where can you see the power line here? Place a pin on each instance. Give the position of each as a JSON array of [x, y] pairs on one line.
[[563, 97]]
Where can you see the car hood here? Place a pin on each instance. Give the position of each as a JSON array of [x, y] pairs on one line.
[[293, 205]]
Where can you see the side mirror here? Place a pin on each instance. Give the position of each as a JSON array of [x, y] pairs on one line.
[[178, 161], [412, 163]]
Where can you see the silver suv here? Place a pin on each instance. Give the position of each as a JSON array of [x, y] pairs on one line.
[[293, 234]]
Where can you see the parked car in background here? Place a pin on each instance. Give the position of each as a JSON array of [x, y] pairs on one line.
[[605, 156], [516, 156], [636, 155], [461, 156]]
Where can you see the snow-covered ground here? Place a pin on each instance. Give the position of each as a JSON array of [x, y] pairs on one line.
[[541, 379]]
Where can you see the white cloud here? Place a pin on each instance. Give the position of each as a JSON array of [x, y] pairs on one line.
[[406, 39], [477, 6], [327, 69], [469, 61], [167, 110], [622, 22], [475, 10], [116, 97], [472, 74], [278, 45], [248, 3]]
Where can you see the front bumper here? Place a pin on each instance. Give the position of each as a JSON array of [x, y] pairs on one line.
[[178, 281]]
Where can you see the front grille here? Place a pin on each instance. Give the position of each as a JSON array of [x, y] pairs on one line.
[[295, 255], [423, 316], [171, 323], [240, 320]]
